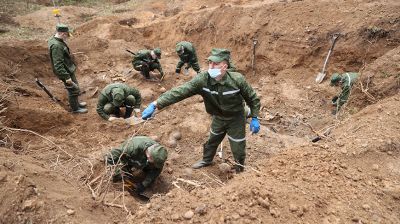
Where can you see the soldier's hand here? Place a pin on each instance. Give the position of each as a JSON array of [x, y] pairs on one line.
[[254, 125], [69, 81], [137, 112], [148, 112], [114, 119]]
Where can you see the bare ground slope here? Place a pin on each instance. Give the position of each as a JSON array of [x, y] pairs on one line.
[[350, 176]]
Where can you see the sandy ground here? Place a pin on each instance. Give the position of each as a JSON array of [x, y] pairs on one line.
[[52, 167]]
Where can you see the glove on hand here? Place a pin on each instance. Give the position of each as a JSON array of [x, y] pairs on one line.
[[254, 125], [139, 188], [148, 112], [178, 70]]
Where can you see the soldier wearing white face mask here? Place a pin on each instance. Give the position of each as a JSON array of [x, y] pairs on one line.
[[224, 93]]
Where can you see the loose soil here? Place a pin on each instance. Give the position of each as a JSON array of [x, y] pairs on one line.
[[50, 158]]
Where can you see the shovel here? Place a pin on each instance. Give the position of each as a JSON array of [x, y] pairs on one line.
[[321, 75]]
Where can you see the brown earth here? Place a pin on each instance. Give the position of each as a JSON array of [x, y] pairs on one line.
[[50, 159]]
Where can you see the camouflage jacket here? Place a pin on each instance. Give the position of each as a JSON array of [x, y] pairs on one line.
[[347, 81], [224, 98], [60, 56], [189, 54], [106, 97], [144, 56], [134, 156]]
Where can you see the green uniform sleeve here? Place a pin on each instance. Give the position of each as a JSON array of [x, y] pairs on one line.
[[250, 97], [180, 64], [113, 156], [138, 97], [100, 107], [343, 96], [159, 68], [181, 92], [57, 54]]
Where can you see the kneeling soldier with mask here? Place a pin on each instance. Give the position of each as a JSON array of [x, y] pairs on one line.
[[117, 95], [142, 153]]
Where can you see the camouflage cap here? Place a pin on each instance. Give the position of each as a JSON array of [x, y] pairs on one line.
[[157, 51], [62, 28], [335, 78], [159, 155], [219, 54], [118, 96]]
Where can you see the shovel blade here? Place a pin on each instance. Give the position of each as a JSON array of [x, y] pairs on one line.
[[320, 77]]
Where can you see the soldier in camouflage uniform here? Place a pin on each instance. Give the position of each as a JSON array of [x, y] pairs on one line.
[[64, 67], [346, 81], [187, 54], [146, 61], [117, 95], [224, 93], [139, 152]]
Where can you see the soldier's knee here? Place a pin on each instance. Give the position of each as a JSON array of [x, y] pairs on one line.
[[130, 100], [109, 108]]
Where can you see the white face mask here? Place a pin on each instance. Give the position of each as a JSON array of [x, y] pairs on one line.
[[214, 72]]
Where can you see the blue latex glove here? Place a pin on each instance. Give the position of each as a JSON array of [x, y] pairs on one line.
[[254, 125], [148, 112]]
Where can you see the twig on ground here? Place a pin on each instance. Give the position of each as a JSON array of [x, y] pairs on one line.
[[215, 179], [191, 182], [37, 134]]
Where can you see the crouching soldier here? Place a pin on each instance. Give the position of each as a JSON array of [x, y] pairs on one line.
[[142, 153], [146, 61], [187, 55], [117, 95], [346, 81]]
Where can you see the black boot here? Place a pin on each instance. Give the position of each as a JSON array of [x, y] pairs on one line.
[[128, 112], [74, 104], [239, 167], [117, 112]]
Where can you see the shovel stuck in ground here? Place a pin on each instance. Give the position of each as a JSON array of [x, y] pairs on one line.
[[321, 75]]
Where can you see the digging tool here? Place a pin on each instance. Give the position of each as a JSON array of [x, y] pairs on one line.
[[253, 59], [131, 186], [325, 134], [133, 53], [52, 97], [321, 75]]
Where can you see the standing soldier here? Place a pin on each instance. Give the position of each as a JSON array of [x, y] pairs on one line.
[[346, 81], [117, 95], [142, 153], [146, 61], [187, 54], [64, 67], [224, 93]]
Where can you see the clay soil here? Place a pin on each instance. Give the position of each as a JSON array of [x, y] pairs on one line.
[[52, 162]]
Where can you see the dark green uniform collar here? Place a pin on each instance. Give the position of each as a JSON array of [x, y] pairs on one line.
[[222, 81]]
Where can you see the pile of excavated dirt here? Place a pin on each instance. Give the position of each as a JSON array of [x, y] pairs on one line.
[[53, 161]]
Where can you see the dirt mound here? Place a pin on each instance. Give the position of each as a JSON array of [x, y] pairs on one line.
[[339, 180], [45, 21], [54, 160]]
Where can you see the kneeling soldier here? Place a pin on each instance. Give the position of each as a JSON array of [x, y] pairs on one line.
[[142, 153], [117, 95]]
